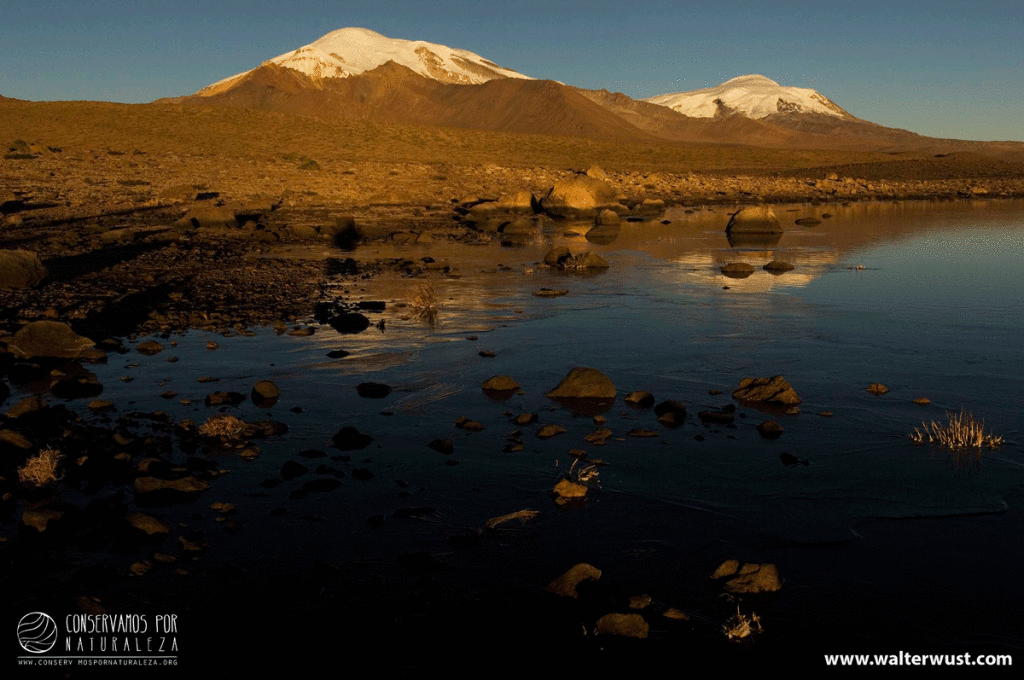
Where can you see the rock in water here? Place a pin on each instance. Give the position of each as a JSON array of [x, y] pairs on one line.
[[748, 578], [20, 269], [500, 383], [565, 585], [584, 383], [48, 339], [737, 270], [773, 390], [754, 220], [350, 439], [579, 194], [265, 394], [628, 625]]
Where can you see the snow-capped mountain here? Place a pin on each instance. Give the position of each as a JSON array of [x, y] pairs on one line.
[[352, 51], [753, 96]]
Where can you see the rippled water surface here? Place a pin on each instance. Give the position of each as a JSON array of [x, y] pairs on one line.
[[880, 542]]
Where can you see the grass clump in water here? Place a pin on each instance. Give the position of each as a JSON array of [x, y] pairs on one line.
[[222, 426], [961, 432], [41, 469]]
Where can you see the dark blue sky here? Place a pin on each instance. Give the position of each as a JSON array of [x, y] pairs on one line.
[[943, 67]]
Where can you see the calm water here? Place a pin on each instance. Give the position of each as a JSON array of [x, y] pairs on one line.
[[883, 545]]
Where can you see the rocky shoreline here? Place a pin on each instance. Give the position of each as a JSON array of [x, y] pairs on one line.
[[143, 247]]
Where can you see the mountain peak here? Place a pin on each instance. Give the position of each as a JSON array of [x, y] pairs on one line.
[[351, 51], [754, 96]]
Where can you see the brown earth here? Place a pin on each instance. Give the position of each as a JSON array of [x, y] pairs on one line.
[[98, 191]]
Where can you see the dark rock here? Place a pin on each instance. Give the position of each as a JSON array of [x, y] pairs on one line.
[[349, 322], [808, 221], [292, 469], [444, 446], [338, 354], [770, 429], [670, 406], [551, 292], [264, 428], [322, 485], [372, 390], [717, 417], [349, 439], [225, 399], [362, 474]]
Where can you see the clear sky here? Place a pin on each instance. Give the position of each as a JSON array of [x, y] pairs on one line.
[[946, 68]]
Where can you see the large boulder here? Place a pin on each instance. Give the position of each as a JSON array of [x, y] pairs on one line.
[[774, 390], [20, 269], [48, 339], [210, 217], [580, 195], [520, 201], [759, 219], [584, 383]]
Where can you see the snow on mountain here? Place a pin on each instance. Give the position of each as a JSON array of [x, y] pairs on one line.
[[351, 51], [753, 96]]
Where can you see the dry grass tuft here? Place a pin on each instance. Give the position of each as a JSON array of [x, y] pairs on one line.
[[585, 474], [962, 432], [741, 626], [222, 426], [424, 301], [41, 469]]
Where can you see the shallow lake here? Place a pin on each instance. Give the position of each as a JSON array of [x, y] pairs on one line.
[[883, 545]]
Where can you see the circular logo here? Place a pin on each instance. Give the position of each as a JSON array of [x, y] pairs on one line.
[[37, 633]]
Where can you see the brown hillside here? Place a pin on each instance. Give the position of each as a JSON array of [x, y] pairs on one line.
[[394, 94]]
